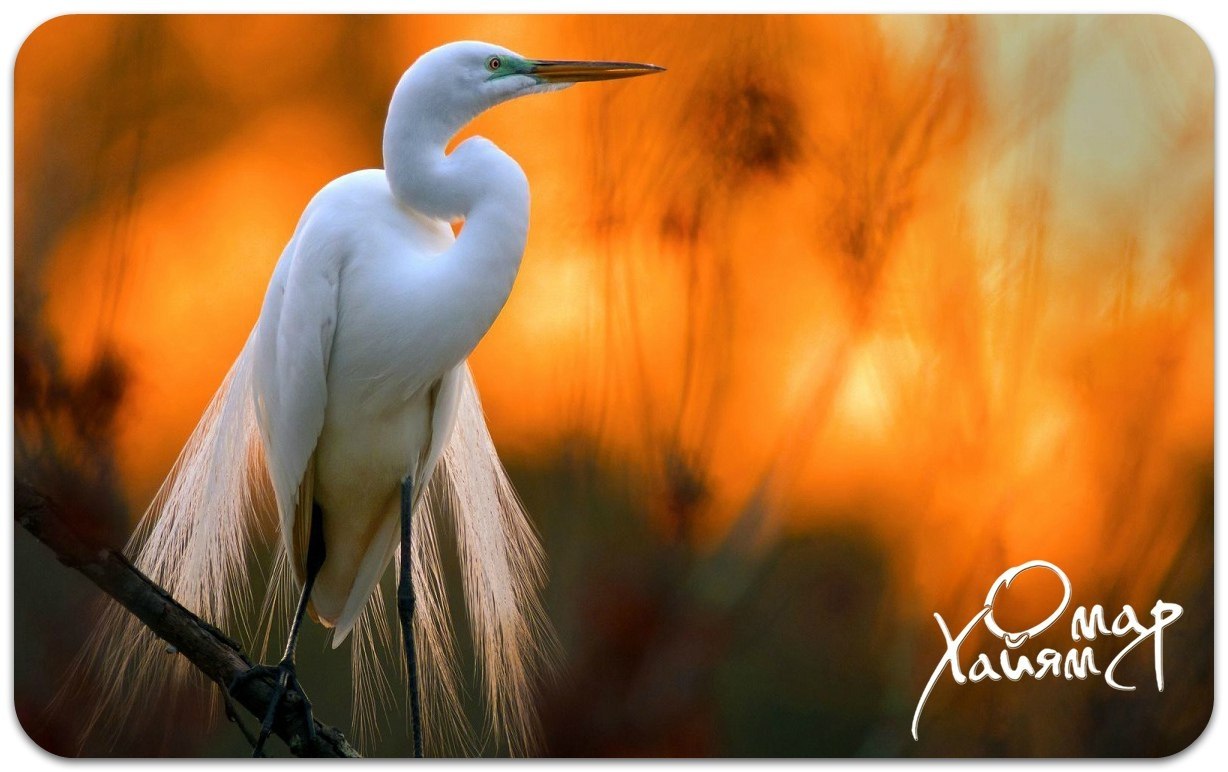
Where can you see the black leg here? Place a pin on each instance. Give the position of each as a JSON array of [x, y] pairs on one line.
[[405, 607], [284, 672]]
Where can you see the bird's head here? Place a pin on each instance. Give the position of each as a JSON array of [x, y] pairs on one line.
[[444, 90], [468, 77]]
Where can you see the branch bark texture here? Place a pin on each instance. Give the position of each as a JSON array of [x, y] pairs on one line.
[[206, 647]]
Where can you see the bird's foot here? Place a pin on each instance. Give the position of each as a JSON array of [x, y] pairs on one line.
[[287, 690]]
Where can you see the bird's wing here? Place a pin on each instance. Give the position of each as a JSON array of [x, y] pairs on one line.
[[445, 403], [294, 339]]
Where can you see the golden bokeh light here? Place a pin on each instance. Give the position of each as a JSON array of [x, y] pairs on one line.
[[951, 277]]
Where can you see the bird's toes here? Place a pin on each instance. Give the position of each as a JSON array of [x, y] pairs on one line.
[[286, 691]]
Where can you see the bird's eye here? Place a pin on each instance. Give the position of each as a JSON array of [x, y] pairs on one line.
[[493, 63]]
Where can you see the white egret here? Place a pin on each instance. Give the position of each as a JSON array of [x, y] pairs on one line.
[[352, 398]]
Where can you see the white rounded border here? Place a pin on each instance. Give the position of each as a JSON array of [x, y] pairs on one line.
[[17, 20]]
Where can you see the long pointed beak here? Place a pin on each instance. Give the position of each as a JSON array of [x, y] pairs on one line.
[[549, 71]]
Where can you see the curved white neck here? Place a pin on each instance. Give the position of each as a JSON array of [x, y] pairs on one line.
[[422, 118], [477, 182]]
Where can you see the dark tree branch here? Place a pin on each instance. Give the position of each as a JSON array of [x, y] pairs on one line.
[[206, 647]]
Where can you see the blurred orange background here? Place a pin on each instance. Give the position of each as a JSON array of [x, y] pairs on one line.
[[943, 281]]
